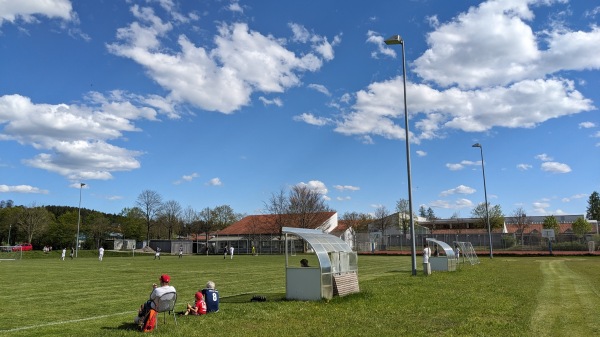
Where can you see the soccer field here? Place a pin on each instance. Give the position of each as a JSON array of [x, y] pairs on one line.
[[544, 296]]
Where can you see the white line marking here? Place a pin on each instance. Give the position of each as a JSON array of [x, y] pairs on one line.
[[66, 322]]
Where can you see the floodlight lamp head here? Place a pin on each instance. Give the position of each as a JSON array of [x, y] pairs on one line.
[[476, 145], [81, 184], [396, 39]]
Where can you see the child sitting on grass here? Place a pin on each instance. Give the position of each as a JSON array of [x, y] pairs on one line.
[[199, 307]]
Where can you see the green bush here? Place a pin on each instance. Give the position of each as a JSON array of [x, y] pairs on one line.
[[576, 246], [509, 241]]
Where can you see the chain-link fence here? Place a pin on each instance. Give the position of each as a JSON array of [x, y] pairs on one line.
[[481, 242]]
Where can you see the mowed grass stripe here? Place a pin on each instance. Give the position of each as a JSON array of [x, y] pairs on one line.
[[565, 291]]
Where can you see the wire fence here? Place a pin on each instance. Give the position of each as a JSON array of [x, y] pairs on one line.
[[481, 242]]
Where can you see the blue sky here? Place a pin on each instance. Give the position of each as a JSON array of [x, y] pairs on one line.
[[226, 102]]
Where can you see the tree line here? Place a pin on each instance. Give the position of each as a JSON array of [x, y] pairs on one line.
[[153, 218]]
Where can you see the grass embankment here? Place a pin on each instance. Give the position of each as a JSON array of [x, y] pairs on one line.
[[501, 297]]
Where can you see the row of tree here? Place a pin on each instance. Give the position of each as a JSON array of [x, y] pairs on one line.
[[151, 218]]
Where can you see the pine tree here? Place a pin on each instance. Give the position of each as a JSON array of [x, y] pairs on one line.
[[593, 209]]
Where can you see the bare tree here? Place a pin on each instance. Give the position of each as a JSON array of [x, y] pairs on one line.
[[189, 217], [382, 220], [456, 217], [305, 205], [358, 221], [170, 212], [149, 202], [278, 206], [521, 220], [205, 223]]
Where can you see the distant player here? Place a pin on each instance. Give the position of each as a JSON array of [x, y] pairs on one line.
[[180, 252], [211, 297], [225, 252], [101, 253], [62, 255], [231, 251], [72, 253], [157, 254], [457, 251]]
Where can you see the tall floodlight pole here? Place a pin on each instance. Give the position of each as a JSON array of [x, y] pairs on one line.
[[9, 228], [396, 39], [487, 213], [78, 220]]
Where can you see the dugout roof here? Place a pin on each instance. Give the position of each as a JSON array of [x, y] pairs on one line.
[[335, 258]]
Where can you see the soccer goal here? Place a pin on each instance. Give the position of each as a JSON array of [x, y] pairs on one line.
[[7, 254], [468, 253]]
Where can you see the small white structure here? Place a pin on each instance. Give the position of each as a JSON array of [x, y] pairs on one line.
[[445, 262], [337, 273]]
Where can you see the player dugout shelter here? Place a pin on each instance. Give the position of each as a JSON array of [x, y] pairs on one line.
[[444, 262], [337, 273]]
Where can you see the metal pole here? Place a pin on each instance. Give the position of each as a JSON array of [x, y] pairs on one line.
[[487, 213], [78, 220], [9, 229], [396, 39], [413, 249]]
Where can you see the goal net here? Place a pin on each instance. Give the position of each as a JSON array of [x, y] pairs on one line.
[[7, 254], [468, 253]]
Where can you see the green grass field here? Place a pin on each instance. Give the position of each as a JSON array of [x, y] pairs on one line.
[[544, 296]]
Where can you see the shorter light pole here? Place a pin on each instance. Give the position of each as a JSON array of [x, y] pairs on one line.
[[9, 228], [78, 220], [487, 213]]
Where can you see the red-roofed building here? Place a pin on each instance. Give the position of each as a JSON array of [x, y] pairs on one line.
[[264, 231]]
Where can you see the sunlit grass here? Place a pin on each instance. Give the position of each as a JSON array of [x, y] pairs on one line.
[[84, 297]]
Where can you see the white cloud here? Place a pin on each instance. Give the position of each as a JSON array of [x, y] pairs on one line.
[[346, 188], [541, 207], [460, 189], [421, 153], [73, 140], [224, 78], [311, 119], [320, 88], [543, 157], [189, 177], [234, 6], [214, 182], [22, 189], [474, 82], [382, 48], [343, 198], [573, 197], [483, 55], [524, 167], [275, 101], [27, 11], [316, 186], [462, 164], [587, 125], [555, 167], [456, 204]]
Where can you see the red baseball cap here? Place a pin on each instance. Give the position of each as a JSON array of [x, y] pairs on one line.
[[165, 278]]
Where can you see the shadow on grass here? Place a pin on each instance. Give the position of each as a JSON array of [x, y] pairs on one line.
[[246, 298], [123, 326]]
